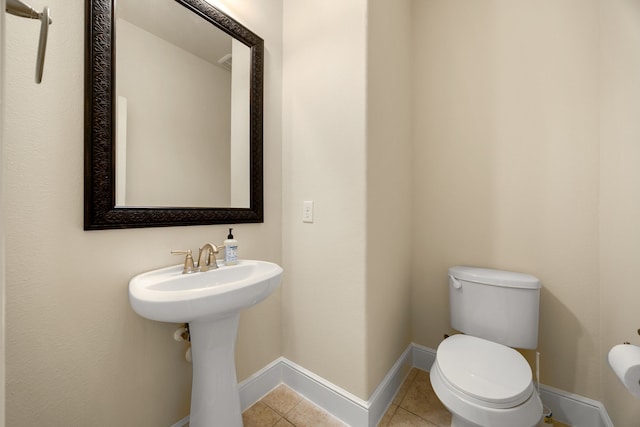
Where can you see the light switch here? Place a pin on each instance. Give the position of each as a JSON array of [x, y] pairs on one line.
[[307, 211]]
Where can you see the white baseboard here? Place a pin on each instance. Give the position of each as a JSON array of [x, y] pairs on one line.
[[423, 357], [262, 382], [182, 423], [574, 409], [566, 407], [343, 405], [384, 394]]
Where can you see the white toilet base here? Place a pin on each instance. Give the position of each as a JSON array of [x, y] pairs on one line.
[[469, 414], [456, 421]]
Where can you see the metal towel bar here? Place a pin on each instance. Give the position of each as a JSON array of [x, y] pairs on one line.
[[18, 8]]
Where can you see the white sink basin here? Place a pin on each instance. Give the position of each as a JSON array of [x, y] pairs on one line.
[[210, 302], [167, 295]]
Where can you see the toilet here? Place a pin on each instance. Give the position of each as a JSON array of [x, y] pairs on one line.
[[477, 375]]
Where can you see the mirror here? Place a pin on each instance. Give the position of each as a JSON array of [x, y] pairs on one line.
[[173, 126]]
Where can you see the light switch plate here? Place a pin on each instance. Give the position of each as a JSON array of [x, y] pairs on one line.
[[307, 211]]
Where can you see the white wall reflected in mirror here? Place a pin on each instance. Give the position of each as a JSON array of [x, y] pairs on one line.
[[182, 131]]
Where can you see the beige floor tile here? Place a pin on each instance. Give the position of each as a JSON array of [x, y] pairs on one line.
[[283, 423], [384, 422], [282, 399], [415, 404], [422, 401], [306, 414], [403, 418], [555, 424], [405, 386], [260, 415]]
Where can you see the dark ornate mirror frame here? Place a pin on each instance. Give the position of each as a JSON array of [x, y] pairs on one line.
[[100, 211]]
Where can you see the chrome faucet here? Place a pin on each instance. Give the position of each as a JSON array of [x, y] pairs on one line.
[[206, 263]]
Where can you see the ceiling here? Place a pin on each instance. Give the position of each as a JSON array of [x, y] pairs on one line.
[[177, 25]]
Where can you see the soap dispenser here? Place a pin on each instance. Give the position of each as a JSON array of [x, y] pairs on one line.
[[230, 249]]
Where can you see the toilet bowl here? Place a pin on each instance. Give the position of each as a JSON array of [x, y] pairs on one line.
[[485, 384], [477, 375]]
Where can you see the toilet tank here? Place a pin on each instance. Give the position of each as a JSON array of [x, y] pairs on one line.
[[500, 306]]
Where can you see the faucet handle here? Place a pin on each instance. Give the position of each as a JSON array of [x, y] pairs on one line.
[[210, 262], [189, 266]]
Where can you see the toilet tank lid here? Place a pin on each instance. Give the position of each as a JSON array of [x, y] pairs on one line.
[[489, 276]]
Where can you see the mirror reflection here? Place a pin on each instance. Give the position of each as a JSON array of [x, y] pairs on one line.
[[182, 109]]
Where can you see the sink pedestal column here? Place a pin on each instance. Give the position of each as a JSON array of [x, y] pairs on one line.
[[215, 400]]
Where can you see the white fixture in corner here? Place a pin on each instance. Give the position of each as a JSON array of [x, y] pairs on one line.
[[210, 302]]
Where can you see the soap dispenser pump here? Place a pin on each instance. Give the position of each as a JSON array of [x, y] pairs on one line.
[[230, 249]]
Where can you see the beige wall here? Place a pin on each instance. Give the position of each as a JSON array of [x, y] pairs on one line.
[[619, 195], [524, 157], [2, 222], [389, 186], [76, 353], [324, 160], [346, 144], [525, 133], [506, 166], [259, 336]]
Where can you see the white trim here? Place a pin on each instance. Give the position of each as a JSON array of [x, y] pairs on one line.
[[566, 407], [574, 409], [385, 392], [121, 151], [182, 423], [343, 405], [423, 357], [261, 383]]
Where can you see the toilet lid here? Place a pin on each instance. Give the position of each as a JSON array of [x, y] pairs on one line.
[[485, 372]]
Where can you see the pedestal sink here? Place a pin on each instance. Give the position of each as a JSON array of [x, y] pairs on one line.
[[210, 302]]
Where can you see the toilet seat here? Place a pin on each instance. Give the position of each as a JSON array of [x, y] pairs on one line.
[[483, 372]]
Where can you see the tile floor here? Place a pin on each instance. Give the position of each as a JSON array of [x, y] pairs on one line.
[[415, 404], [284, 407]]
